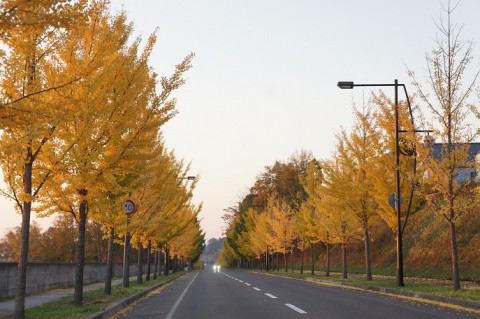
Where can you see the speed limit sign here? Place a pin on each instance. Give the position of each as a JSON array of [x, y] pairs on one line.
[[129, 207]]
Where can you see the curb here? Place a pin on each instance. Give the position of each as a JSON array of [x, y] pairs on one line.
[[470, 304], [119, 305]]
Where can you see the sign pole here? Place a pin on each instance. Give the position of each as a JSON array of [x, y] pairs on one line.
[[130, 208], [126, 258]]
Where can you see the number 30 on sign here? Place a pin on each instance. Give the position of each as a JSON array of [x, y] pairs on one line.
[[129, 207]]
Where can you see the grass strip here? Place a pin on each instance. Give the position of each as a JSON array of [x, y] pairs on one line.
[[390, 270], [93, 301]]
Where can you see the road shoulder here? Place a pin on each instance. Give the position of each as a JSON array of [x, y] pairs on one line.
[[454, 303]]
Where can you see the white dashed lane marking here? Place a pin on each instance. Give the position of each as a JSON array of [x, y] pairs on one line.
[[300, 311], [289, 305]]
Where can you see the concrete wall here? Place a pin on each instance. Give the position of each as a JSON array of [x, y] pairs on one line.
[[45, 276]]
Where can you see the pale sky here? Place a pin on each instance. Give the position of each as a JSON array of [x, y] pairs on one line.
[[263, 82]]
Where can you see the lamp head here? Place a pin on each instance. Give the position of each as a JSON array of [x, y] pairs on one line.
[[345, 84]]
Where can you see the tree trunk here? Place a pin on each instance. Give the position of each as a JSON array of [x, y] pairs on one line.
[[126, 260], [175, 260], [23, 258], [109, 272], [99, 245], [82, 223], [140, 264], [327, 268], [368, 266], [278, 265], [161, 262], [266, 260], [149, 253], [312, 256], [453, 236], [155, 264], [344, 259], [303, 256], [285, 261], [167, 262], [454, 251], [291, 259]]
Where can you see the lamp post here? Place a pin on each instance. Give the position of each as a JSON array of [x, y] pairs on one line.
[[395, 84]]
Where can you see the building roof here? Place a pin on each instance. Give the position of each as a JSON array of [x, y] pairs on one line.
[[473, 150]]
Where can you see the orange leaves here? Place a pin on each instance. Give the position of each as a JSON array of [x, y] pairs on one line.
[[84, 102]]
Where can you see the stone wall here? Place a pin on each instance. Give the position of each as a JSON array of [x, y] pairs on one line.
[[45, 276]]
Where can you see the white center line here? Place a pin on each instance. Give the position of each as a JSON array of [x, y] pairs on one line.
[[257, 289], [240, 281], [270, 295], [247, 284], [295, 308]]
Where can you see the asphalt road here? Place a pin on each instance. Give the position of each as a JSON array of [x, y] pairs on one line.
[[237, 294]]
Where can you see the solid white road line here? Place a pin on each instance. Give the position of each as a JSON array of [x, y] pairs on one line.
[[257, 289], [179, 300], [295, 308], [270, 295]]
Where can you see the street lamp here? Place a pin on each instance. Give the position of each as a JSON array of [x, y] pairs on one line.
[[395, 84]]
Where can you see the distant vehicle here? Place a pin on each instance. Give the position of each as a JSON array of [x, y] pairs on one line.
[[216, 268]]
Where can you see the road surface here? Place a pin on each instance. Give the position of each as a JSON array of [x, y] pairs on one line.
[[233, 294]]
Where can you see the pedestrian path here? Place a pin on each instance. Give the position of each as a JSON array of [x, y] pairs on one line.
[[7, 307]]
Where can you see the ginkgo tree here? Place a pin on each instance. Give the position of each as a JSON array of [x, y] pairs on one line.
[[450, 101], [279, 217], [188, 245], [356, 152], [316, 217], [31, 106], [116, 113], [79, 111], [382, 170], [248, 235], [243, 239], [117, 186], [247, 246], [309, 219], [166, 210], [338, 217]]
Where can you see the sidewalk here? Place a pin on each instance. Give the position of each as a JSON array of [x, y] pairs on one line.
[[7, 307]]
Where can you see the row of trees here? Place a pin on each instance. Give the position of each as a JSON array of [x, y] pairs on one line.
[[58, 243], [81, 112], [297, 204]]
